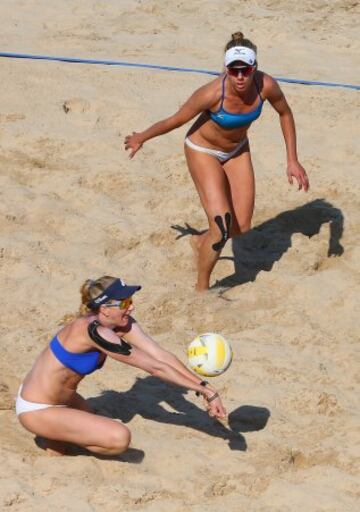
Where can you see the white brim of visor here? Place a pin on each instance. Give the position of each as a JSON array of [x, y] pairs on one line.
[[242, 53]]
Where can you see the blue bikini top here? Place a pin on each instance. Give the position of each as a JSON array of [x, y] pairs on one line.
[[82, 363], [229, 120]]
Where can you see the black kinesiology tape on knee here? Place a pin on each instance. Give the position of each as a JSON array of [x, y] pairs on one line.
[[123, 348], [225, 230]]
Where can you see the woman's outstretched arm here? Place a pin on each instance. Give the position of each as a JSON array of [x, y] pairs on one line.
[[138, 338], [143, 360], [202, 99]]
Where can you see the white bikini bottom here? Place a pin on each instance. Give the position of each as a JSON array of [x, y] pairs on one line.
[[26, 406], [222, 156]]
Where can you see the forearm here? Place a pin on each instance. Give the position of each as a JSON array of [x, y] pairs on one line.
[[289, 132], [172, 360], [159, 368], [159, 128], [170, 374], [144, 342]]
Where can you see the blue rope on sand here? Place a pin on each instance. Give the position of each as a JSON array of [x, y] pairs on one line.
[[164, 68]]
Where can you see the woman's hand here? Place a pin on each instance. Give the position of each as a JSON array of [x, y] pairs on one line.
[[133, 142], [214, 405], [297, 171]]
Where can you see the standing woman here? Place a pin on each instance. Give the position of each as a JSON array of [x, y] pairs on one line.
[[217, 148], [48, 403]]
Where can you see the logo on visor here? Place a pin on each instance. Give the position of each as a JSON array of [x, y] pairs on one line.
[[100, 299], [240, 51]]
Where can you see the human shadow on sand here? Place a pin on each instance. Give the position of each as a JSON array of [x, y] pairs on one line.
[[147, 396], [265, 244]]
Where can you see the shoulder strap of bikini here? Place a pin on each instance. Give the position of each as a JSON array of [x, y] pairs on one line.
[[257, 88], [123, 348], [222, 92]]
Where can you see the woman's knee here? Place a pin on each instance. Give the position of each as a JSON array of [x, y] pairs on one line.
[[220, 228], [119, 439]]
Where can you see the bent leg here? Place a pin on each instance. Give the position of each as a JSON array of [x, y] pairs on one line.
[[95, 433], [213, 189], [240, 175], [58, 447]]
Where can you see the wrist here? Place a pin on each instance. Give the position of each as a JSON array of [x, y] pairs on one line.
[[208, 392], [141, 138], [203, 383], [292, 160], [214, 395]]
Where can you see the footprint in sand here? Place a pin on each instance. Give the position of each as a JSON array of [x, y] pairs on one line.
[[77, 105], [327, 404], [304, 460], [6, 399]]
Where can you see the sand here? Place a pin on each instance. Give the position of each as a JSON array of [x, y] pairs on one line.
[[73, 206]]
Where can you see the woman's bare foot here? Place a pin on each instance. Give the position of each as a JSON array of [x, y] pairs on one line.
[[52, 448]]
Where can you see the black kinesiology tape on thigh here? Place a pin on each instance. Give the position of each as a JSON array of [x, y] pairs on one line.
[[225, 230], [122, 348]]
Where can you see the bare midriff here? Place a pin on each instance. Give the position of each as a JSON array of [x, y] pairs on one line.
[[210, 135], [49, 381]]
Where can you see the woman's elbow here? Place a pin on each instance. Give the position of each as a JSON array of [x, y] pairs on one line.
[[157, 368], [165, 356], [285, 112]]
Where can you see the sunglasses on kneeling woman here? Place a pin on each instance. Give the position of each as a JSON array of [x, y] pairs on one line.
[[121, 304]]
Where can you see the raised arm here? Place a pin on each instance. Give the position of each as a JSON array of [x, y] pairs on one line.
[[202, 99], [275, 96]]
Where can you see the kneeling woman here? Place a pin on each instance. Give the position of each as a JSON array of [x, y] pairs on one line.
[[48, 404]]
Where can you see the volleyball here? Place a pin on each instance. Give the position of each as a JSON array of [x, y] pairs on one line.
[[209, 354]]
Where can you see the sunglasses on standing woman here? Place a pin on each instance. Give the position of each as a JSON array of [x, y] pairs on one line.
[[245, 71]]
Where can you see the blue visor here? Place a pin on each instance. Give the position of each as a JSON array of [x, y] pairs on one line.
[[116, 291]]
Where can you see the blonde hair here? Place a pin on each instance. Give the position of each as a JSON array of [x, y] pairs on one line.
[[91, 289], [238, 39]]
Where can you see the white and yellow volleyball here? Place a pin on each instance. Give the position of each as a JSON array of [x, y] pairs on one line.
[[209, 354]]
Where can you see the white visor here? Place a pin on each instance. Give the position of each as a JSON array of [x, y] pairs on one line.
[[240, 53]]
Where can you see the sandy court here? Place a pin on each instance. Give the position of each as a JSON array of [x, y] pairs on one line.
[[73, 206]]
